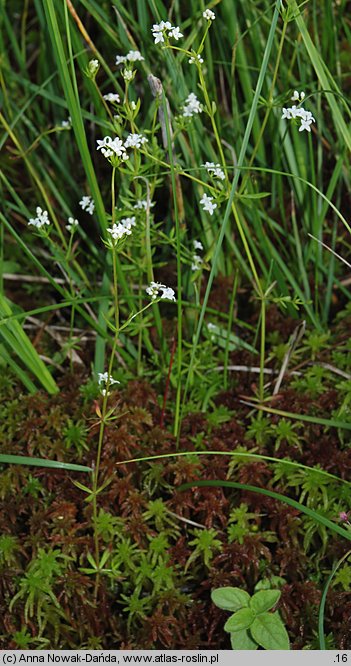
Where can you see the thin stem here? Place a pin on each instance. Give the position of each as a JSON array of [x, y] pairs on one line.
[[262, 349], [229, 328], [179, 266], [105, 397]]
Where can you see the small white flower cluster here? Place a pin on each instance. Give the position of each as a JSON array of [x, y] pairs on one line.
[[135, 141], [156, 287], [298, 112], [207, 203], [87, 204], [165, 28], [116, 148], [196, 259], [191, 106], [112, 97], [72, 225], [104, 379], [128, 74], [214, 170], [209, 15], [40, 220], [112, 147], [196, 58], [141, 204], [93, 66], [122, 228], [132, 56]]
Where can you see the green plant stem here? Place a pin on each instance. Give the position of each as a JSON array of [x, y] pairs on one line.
[[105, 397], [177, 419], [262, 348], [229, 328]]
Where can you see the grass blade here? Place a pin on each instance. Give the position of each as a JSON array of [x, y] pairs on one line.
[[42, 462]]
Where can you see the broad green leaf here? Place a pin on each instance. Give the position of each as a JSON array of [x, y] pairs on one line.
[[264, 600], [41, 462], [269, 632], [241, 640], [242, 619], [230, 598]]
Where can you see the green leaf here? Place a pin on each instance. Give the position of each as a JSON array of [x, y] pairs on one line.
[[269, 632], [264, 600], [79, 485], [41, 462], [242, 619], [20, 345], [241, 640], [254, 195], [230, 598]]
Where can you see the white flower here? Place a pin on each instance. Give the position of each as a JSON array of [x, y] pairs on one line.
[[133, 56], [215, 170], [119, 230], [191, 106], [128, 74], [105, 378], [112, 147], [294, 111], [87, 204], [158, 36], [168, 293], [40, 220], [197, 263], [286, 114], [175, 33], [196, 58], [93, 66], [305, 125], [67, 123], [121, 60], [298, 97], [209, 15], [197, 245], [156, 287], [133, 105], [208, 204], [72, 224], [159, 27], [159, 30], [308, 116], [128, 222], [135, 141], [141, 204], [112, 97]]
